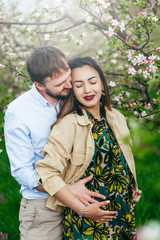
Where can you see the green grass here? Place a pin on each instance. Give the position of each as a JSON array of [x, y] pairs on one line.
[[147, 166], [9, 199]]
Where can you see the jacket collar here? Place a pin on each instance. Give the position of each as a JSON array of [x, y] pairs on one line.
[[83, 120]]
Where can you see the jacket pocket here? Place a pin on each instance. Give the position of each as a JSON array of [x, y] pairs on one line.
[[77, 158]]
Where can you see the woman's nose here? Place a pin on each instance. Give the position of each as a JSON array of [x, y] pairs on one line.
[[87, 88]]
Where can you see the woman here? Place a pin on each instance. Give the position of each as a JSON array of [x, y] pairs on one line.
[[90, 138]]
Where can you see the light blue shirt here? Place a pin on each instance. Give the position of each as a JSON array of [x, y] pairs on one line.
[[28, 122]]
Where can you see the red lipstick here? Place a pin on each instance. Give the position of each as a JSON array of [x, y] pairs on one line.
[[89, 98]]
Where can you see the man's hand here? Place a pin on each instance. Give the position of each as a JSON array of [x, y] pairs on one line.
[[82, 193], [136, 196], [40, 188]]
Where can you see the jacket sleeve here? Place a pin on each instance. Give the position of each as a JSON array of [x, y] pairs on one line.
[[56, 155]]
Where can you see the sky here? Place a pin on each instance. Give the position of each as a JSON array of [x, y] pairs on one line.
[[27, 6]]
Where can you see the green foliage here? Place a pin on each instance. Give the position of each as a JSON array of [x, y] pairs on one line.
[[9, 199]]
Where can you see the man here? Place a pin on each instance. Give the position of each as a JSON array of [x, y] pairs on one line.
[[28, 122]]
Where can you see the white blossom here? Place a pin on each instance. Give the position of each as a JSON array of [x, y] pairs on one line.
[[104, 4], [100, 52], [152, 57], [46, 37], [110, 32], [112, 84], [38, 13], [114, 22], [1, 150], [122, 27], [106, 17], [115, 55], [130, 54], [134, 61], [116, 98], [138, 60], [135, 113], [10, 54], [84, 35], [9, 90], [155, 19], [46, 5], [152, 68], [128, 94], [18, 18], [143, 113], [132, 71], [79, 42], [113, 61], [88, 18], [145, 74]]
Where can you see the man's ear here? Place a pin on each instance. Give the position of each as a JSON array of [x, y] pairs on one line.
[[39, 86]]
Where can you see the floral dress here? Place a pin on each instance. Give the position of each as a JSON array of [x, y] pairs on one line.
[[112, 178]]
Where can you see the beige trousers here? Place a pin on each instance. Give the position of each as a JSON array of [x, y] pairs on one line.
[[37, 222]]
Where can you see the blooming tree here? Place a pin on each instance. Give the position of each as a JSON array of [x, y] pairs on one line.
[[121, 35]]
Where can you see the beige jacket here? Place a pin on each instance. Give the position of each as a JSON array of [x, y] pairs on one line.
[[70, 150]]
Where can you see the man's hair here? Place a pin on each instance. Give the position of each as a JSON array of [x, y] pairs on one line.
[[46, 62]]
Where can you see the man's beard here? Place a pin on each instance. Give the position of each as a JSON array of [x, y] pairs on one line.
[[56, 96]]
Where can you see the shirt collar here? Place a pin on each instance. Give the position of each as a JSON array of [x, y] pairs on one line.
[[36, 95]]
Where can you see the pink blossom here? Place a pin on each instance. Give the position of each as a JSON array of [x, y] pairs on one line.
[[1, 65]]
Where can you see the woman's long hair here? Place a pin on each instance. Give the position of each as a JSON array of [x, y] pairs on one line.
[[70, 104]]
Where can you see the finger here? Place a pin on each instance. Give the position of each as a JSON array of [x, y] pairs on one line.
[[83, 200], [139, 192], [87, 179], [109, 214], [103, 203], [95, 194], [92, 200], [105, 219]]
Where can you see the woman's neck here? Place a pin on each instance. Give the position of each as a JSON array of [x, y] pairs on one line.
[[95, 112]]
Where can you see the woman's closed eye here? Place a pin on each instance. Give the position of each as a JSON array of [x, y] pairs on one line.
[[93, 82], [78, 85]]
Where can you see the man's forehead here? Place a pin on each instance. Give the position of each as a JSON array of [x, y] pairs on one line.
[[61, 73]]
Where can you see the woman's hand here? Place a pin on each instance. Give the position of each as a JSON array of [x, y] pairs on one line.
[[136, 196], [94, 211], [97, 214]]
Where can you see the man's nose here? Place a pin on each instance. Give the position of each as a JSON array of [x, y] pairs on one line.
[[68, 83]]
